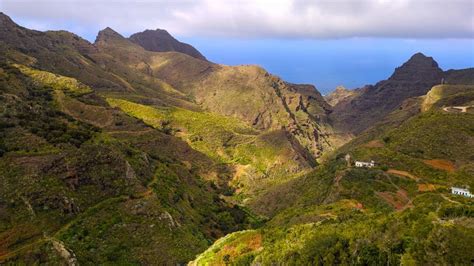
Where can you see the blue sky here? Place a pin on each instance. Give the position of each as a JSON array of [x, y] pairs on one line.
[[322, 42]]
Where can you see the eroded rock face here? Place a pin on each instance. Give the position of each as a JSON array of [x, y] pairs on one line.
[[340, 94], [413, 78], [161, 41]]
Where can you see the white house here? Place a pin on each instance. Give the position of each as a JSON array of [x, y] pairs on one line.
[[364, 164], [461, 191]]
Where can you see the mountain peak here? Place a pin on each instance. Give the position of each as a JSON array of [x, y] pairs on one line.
[[160, 40], [418, 67], [107, 34], [420, 58], [158, 31], [419, 55]]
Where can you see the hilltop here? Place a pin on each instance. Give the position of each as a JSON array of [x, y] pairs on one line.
[[161, 41]]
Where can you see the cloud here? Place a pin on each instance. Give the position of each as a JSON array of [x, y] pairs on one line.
[[319, 19]]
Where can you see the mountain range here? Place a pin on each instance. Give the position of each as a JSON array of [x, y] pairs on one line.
[[139, 151], [371, 103]]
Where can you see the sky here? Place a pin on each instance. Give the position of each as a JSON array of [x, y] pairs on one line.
[[322, 42]]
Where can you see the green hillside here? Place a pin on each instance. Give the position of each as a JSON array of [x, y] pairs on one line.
[[399, 212], [253, 155], [98, 192]]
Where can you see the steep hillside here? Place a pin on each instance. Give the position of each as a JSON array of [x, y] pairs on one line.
[[161, 41], [114, 154], [399, 212], [115, 64], [295, 115], [248, 93], [120, 69], [414, 78], [84, 182]]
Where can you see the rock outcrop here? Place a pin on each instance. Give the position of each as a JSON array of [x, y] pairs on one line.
[[340, 94]]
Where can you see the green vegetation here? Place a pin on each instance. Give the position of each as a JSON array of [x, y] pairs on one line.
[[114, 155], [399, 212], [241, 245], [254, 154], [108, 199], [208, 133], [55, 81], [343, 233]]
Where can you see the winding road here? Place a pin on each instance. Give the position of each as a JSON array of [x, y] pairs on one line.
[[463, 109]]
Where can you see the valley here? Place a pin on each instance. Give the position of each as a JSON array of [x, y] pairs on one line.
[[140, 151]]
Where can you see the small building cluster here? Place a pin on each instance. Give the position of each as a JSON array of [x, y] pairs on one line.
[[462, 192], [364, 164], [370, 164]]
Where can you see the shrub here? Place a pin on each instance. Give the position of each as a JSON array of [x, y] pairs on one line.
[[4, 124], [457, 211]]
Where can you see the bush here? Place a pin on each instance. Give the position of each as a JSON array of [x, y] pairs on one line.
[[4, 124], [457, 211], [325, 249]]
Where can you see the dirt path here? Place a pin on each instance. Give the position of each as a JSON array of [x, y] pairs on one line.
[[402, 174], [426, 187], [131, 132], [65, 253], [399, 200], [374, 144], [450, 200], [17, 251], [338, 178]]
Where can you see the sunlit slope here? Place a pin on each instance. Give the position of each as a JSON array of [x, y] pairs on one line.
[[258, 158]]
